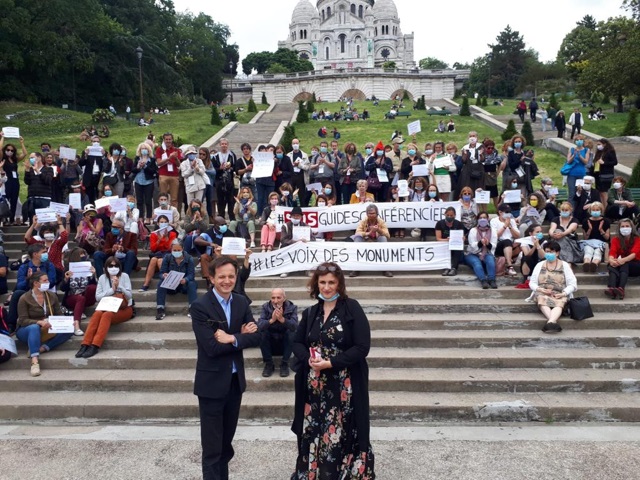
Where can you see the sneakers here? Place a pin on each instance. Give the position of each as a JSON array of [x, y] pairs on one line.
[[493, 284], [524, 285], [160, 314], [35, 369], [144, 288], [485, 285], [511, 271], [268, 369], [551, 327], [253, 245], [83, 317], [284, 369], [78, 332]]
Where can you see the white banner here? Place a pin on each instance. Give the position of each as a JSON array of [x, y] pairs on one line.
[[346, 217], [363, 256]]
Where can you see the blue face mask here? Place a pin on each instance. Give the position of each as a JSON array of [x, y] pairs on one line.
[[115, 231], [596, 214], [518, 144], [279, 156], [177, 254], [144, 152], [32, 160], [116, 152], [44, 257], [223, 229], [124, 152], [368, 151], [539, 235], [565, 214], [466, 198], [550, 256], [131, 204], [327, 191], [108, 193], [432, 194], [192, 156], [323, 149], [411, 152], [325, 299], [379, 152], [579, 143]]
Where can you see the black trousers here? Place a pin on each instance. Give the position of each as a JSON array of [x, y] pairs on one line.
[[218, 422], [618, 276], [226, 200]]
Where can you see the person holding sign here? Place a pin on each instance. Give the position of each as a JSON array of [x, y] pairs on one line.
[[168, 159], [245, 212], [79, 287], [377, 165], [443, 234], [114, 283], [194, 174], [482, 244], [160, 245], [91, 162], [507, 230], [323, 165], [532, 245], [492, 162], [440, 164], [286, 234], [164, 206], [177, 261], [52, 242], [468, 209], [224, 162], [268, 222], [412, 158], [549, 193], [243, 168], [372, 229], [38, 178], [130, 216], [9, 164], [145, 171], [123, 245], [34, 309]]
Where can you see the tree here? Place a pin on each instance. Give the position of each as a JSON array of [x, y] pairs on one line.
[[461, 66], [252, 106], [634, 179], [553, 102], [303, 115], [287, 137], [507, 62], [510, 131], [432, 63], [232, 116], [405, 95], [484, 101], [527, 133], [215, 115], [634, 7], [478, 101], [464, 109], [264, 99], [389, 65], [578, 45], [631, 128], [310, 106], [313, 97], [282, 60]]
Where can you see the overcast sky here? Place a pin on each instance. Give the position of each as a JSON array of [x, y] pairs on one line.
[[257, 25]]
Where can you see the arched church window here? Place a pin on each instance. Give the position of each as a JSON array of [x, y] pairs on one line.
[[343, 39], [353, 8], [376, 31], [328, 12], [323, 15], [357, 51], [326, 53], [360, 11]]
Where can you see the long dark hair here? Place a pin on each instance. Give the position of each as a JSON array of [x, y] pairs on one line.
[[323, 269], [607, 150], [13, 159]]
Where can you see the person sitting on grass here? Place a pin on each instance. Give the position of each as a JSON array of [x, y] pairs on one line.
[[177, 261]]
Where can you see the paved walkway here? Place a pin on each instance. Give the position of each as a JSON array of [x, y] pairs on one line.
[[263, 130]]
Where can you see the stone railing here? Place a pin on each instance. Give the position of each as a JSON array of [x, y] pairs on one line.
[[362, 71]]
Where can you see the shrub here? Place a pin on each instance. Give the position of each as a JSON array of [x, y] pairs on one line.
[[510, 131], [313, 98], [484, 101], [405, 96], [264, 99], [527, 132], [553, 102], [232, 116], [478, 101], [287, 137], [215, 116], [252, 106], [464, 109], [634, 180], [303, 115], [631, 128], [310, 106], [102, 115]]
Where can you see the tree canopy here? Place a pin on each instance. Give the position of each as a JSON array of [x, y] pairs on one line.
[[282, 60], [432, 63]]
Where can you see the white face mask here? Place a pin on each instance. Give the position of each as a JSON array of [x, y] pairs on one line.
[[113, 270], [322, 204], [295, 146], [49, 236], [617, 185], [587, 186], [295, 221], [45, 285], [600, 147], [624, 231], [286, 193]]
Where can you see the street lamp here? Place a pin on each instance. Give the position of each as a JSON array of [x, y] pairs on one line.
[[231, 72], [139, 52], [490, 58]]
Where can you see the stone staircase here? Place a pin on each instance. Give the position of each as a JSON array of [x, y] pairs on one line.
[[442, 350]]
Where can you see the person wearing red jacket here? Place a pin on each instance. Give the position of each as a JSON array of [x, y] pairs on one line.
[[160, 245], [123, 245], [54, 243], [624, 259], [168, 158]]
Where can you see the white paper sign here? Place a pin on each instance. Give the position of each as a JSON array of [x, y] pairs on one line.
[[403, 188], [301, 233], [60, 208], [532, 212], [80, 269], [118, 204], [524, 241], [167, 213], [9, 344], [75, 201], [579, 182], [414, 127], [109, 304], [421, 170], [382, 175], [233, 246], [60, 324], [483, 197], [11, 132], [553, 191], [442, 162], [95, 151], [314, 186], [46, 215], [102, 202], [262, 165], [68, 153], [172, 280], [512, 196], [456, 239]]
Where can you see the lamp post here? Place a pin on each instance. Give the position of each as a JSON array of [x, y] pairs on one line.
[[490, 58], [231, 72], [139, 52]]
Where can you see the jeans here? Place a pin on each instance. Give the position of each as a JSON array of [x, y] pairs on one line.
[[346, 190], [571, 185], [128, 262], [189, 246], [210, 197], [479, 266], [31, 336], [189, 288], [265, 346], [263, 195], [144, 194]]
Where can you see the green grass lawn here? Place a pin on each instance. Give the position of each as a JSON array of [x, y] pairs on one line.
[[611, 127]]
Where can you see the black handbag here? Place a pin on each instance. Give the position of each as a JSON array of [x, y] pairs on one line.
[[579, 308]]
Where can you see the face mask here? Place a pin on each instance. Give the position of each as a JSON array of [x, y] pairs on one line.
[[533, 203], [411, 152], [192, 156], [124, 152], [131, 204], [550, 257], [596, 214], [323, 149], [587, 186], [295, 146], [368, 151], [322, 204], [466, 198], [314, 152], [419, 188], [279, 156], [483, 222], [514, 185], [327, 191], [565, 214], [579, 143], [197, 209], [116, 152], [539, 235], [115, 231], [506, 215], [49, 236], [450, 219], [162, 224], [9, 153], [32, 160], [625, 231], [518, 144], [96, 144], [600, 147], [44, 286], [144, 152], [44, 257], [428, 152], [295, 221], [379, 152], [108, 193], [113, 270], [45, 150], [433, 194], [332, 299], [163, 203], [286, 193], [473, 139], [546, 188], [177, 254], [617, 185]]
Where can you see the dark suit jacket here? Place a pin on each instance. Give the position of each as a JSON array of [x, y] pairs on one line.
[[215, 360]]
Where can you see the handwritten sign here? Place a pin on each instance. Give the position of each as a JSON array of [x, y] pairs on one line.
[[262, 165], [118, 204], [60, 324], [46, 215], [456, 240], [11, 132], [172, 280], [414, 127], [483, 197], [109, 304], [512, 196], [233, 246], [80, 269], [68, 153], [301, 233], [403, 188], [75, 201], [60, 208], [167, 213]]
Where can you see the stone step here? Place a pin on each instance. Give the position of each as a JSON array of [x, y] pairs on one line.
[[569, 357], [456, 380], [400, 405]]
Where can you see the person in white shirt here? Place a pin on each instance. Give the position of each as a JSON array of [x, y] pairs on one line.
[[507, 231]]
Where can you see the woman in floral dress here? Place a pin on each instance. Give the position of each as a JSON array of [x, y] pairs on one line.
[[332, 397]]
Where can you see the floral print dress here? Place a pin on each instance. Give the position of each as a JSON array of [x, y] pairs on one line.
[[330, 449]]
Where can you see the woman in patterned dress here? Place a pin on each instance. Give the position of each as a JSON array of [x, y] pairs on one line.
[[332, 398]]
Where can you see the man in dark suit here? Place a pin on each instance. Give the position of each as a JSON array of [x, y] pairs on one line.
[[224, 326]]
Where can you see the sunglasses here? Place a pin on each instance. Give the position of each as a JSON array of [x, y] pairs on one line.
[[330, 268]]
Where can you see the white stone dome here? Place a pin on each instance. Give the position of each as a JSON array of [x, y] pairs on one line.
[[303, 12], [385, 9]]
